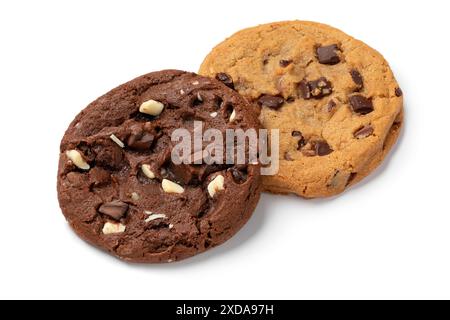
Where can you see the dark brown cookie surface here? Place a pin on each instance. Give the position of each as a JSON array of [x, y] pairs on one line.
[[117, 184]]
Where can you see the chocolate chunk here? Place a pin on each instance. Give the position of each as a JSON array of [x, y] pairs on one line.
[[331, 106], [274, 102], [328, 54], [305, 90], [363, 132], [226, 79], [285, 63], [316, 148], [141, 142], [398, 92], [357, 79], [108, 156], [301, 142], [316, 89], [322, 148], [115, 209], [187, 174], [361, 104]]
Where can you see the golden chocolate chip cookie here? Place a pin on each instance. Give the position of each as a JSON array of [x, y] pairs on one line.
[[333, 98]]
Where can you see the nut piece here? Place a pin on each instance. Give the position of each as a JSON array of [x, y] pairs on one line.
[[213, 114], [147, 171], [154, 216], [112, 228], [117, 141], [77, 159], [135, 196], [233, 116], [151, 107], [216, 185], [171, 187]]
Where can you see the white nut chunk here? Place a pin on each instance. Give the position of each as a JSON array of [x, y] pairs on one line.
[[171, 187], [117, 141], [154, 216], [113, 228], [233, 116], [77, 159], [216, 185], [147, 171], [135, 196], [151, 107]]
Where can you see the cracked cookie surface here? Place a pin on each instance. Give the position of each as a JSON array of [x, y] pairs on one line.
[[334, 99], [118, 187]]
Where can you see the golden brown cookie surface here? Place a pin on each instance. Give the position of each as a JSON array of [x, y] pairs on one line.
[[334, 99]]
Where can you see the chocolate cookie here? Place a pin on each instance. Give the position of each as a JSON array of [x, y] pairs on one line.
[[334, 99], [119, 187]]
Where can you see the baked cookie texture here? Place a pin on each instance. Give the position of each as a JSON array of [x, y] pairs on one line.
[[120, 190], [334, 99]]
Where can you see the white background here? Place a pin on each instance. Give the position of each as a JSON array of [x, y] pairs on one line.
[[388, 237]]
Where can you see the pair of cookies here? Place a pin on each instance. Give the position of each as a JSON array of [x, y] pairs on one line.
[[333, 99]]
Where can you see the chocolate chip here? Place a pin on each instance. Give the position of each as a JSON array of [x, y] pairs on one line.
[[115, 209], [285, 63], [322, 148], [140, 141], [331, 106], [238, 175], [226, 79], [296, 134], [316, 89], [363, 132], [274, 102], [398, 92], [328, 54], [361, 104], [357, 79]]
